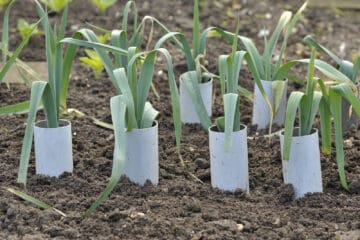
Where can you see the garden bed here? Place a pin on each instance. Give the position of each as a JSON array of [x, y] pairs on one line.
[[179, 207]]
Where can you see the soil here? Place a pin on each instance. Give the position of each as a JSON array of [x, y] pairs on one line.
[[179, 207]]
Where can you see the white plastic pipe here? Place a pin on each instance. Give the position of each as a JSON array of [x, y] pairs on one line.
[[303, 170], [142, 161], [53, 148], [229, 170], [261, 111], [187, 108]]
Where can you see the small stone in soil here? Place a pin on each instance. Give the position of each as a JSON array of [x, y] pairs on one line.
[[116, 215], [137, 215], [247, 226], [286, 193], [240, 193], [202, 163], [204, 175], [33, 236], [355, 187], [71, 233], [193, 206], [54, 231], [226, 224]]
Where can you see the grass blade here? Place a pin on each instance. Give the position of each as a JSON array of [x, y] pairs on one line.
[[175, 102], [335, 105], [282, 72], [126, 15], [96, 45], [271, 44], [143, 87], [28, 198], [118, 111], [50, 108], [5, 32], [162, 26], [331, 72], [325, 124], [16, 53], [314, 109], [246, 93], [223, 73], [33, 200], [17, 108], [292, 107], [346, 92], [123, 82], [69, 57], [100, 48], [185, 47], [238, 58], [214, 32], [149, 116], [356, 68], [230, 105], [256, 59], [196, 29], [278, 88], [37, 90], [346, 68], [289, 30], [119, 38], [312, 42], [335, 95], [59, 69]]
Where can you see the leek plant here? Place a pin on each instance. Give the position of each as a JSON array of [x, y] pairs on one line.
[[3, 3], [93, 60], [4, 44], [229, 70], [131, 109], [56, 5], [328, 102], [349, 69], [103, 5], [194, 57], [119, 40], [262, 66], [26, 28], [53, 93], [122, 39]]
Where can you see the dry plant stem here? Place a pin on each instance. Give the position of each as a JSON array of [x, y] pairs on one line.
[[183, 165]]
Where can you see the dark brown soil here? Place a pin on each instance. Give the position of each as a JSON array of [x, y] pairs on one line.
[[179, 207]]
